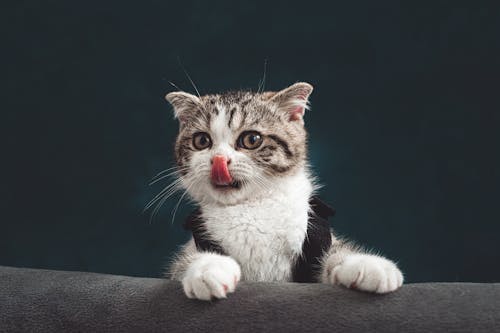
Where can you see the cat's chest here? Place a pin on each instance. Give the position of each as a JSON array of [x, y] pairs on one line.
[[264, 237]]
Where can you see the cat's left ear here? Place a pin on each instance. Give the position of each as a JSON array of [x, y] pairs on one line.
[[294, 100], [185, 105]]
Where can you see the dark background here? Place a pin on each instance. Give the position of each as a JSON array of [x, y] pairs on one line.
[[404, 124]]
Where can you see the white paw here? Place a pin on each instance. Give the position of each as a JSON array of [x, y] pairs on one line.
[[211, 275], [368, 273]]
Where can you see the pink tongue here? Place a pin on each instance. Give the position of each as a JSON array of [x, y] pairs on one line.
[[220, 174]]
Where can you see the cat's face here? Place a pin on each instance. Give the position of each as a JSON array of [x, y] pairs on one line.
[[235, 146]]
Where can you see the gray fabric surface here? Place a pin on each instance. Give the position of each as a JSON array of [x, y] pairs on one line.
[[51, 301]]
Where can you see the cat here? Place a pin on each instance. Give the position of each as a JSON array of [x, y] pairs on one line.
[[242, 157]]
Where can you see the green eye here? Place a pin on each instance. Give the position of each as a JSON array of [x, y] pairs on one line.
[[201, 140], [250, 140]]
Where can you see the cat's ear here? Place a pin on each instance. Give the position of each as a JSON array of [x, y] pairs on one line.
[[294, 100], [184, 104]]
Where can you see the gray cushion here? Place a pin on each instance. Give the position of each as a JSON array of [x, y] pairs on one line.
[[50, 301]]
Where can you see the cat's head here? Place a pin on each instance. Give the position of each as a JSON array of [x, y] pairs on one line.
[[236, 146]]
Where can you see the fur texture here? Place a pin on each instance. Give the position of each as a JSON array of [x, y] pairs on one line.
[[259, 217]]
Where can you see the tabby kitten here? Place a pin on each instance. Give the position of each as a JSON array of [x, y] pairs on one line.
[[242, 157]]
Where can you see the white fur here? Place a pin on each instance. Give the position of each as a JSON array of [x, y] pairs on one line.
[[365, 272], [211, 275], [264, 235]]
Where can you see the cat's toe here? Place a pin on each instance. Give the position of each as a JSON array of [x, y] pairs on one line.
[[367, 273], [394, 278], [211, 277]]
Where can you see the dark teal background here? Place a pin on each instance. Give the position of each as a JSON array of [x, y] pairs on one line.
[[404, 123]]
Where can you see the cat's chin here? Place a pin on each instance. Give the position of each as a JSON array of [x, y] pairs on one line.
[[233, 186], [230, 194], [227, 194]]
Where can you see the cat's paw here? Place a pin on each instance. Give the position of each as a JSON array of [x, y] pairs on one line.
[[211, 275], [368, 273]]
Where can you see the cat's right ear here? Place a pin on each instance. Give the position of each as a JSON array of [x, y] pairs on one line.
[[184, 104], [294, 100]]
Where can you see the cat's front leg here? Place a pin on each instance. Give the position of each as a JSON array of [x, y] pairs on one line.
[[203, 274], [352, 269], [211, 275]]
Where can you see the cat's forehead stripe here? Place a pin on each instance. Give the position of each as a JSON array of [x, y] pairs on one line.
[[231, 116], [220, 131]]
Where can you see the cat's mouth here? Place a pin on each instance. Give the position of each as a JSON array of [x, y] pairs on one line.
[[234, 185]]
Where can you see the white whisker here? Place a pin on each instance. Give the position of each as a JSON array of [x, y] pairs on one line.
[[161, 173], [189, 77], [173, 173], [162, 201], [262, 82], [167, 189], [180, 200]]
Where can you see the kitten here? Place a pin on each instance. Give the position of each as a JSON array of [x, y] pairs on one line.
[[242, 157]]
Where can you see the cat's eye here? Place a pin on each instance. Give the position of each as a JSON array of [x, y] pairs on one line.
[[250, 140], [201, 140]]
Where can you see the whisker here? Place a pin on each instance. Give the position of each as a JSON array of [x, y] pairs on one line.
[[157, 209], [261, 182], [161, 202], [169, 169], [188, 76], [173, 173], [178, 203], [174, 85], [168, 192], [262, 82], [163, 192]]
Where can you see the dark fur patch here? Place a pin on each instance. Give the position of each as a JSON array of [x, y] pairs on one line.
[[231, 115], [282, 143], [245, 103], [267, 148], [280, 168]]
